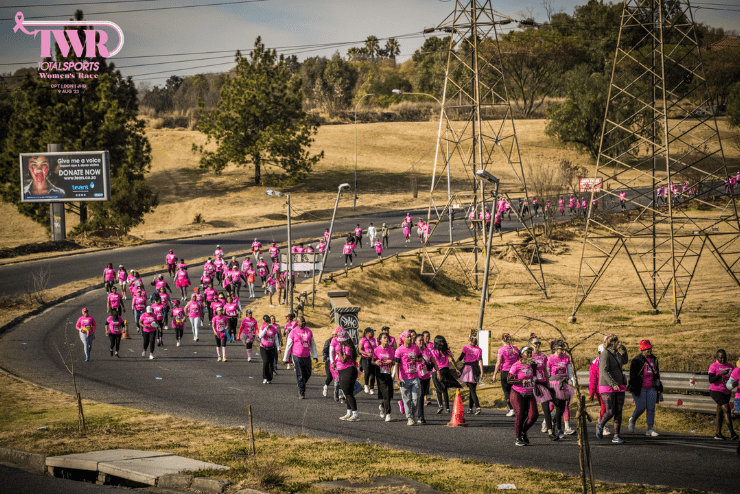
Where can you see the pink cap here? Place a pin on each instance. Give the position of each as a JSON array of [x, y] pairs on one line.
[[84, 309]]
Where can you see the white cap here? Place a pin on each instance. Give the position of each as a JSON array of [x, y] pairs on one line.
[[149, 309], [601, 348]]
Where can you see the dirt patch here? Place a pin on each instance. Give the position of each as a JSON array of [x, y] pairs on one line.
[[38, 247]]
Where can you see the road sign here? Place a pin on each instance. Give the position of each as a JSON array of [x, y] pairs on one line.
[[590, 185], [305, 261]]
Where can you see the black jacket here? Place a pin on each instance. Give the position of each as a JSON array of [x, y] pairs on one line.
[[637, 369]]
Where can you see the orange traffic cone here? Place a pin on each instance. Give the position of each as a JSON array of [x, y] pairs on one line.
[[125, 335], [458, 412]]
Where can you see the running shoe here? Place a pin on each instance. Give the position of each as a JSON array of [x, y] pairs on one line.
[[301, 397], [519, 442], [607, 432], [525, 438], [617, 439], [477, 411], [367, 390], [223, 359], [388, 418], [652, 433], [561, 435], [353, 418], [143, 354], [720, 437], [510, 413], [249, 359], [264, 381], [426, 400], [631, 426], [439, 410], [553, 437], [372, 391], [382, 413], [345, 417], [196, 339], [151, 356], [570, 431], [544, 426], [219, 358], [117, 356], [326, 388], [178, 342], [87, 359], [410, 422], [447, 410]]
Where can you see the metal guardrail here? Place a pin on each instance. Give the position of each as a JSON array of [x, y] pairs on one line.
[[686, 382]]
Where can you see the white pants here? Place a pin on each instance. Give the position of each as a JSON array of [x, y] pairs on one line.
[[195, 325], [251, 290]]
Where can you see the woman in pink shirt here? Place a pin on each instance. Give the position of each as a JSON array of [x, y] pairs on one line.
[[195, 313], [247, 332], [220, 326], [593, 386], [383, 358], [86, 326], [443, 378], [182, 281], [541, 390], [346, 365], [425, 367], [719, 375], [109, 277], [347, 251], [122, 277], [521, 375], [367, 347], [178, 320], [507, 356], [560, 371], [114, 327], [268, 334], [471, 358]]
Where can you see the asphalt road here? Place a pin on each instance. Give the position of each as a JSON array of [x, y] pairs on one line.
[[187, 381]]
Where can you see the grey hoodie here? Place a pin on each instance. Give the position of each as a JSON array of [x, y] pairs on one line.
[[610, 367]]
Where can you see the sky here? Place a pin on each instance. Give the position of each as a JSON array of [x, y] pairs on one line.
[[290, 26]]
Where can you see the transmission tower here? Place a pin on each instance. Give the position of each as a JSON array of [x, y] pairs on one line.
[[659, 132], [476, 132]]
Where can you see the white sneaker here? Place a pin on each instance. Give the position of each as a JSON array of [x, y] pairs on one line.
[[606, 431], [651, 433], [570, 431], [249, 359], [367, 390], [325, 389], [143, 354], [410, 422], [264, 381], [345, 417], [372, 391], [353, 418], [388, 418], [178, 342], [382, 413], [151, 356], [544, 426], [631, 426], [510, 413]]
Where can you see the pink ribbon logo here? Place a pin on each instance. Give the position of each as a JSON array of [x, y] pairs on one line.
[[19, 25]]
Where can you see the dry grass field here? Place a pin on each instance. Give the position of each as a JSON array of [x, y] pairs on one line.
[[386, 154]]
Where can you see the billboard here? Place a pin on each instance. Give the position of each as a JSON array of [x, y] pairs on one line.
[[65, 177], [591, 185], [306, 261]]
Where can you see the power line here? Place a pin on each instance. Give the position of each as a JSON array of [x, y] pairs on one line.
[[73, 4], [235, 2]]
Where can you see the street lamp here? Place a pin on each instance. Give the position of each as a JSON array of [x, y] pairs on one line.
[[484, 175], [447, 140], [289, 277], [354, 204], [331, 229]]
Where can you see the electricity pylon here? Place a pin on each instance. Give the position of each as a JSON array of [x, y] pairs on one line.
[[476, 132], [659, 134]]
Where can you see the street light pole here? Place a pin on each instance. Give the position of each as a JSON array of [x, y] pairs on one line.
[[331, 229], [484, 175], [354, 203], [288, 278]]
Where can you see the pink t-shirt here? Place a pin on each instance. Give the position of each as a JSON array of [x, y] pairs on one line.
[[193, 308], [147, 323], [421, 367], [720, 385], [387, 354], [211, 294], [648, 377], [249, 327], [109, 274], [735, 374], [164, 298], [268, 340], [442, 359], [115, 325], [158, 311], [405, 356], [508, 355], [219, 325], [338, 361], [558, 366], [87, 323], [171, 258], [178, 317], [231, 309], [114, 299], [522, 371], [122, 276], [138, 303], [367, 345], [471, 353], [541, 360], [217, 304], [347, 249], [301, 342]]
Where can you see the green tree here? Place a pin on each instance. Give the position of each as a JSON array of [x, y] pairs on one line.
[[372, 45], [733, 106], [430, 64], [259, 120], [392, 48], [100, 117]]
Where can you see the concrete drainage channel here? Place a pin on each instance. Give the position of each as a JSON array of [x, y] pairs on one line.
[[125, 468]]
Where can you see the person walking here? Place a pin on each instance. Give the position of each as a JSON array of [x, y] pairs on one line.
[[645, 386], [424, 367], [220, 326], [268, 333], [384, 234], [195, 313], [521, 375], [347, 251], [472, 359], [442, 377], [114, 326], [178, 320], [541, 390], [372, 234], [300, 348], [560, 370], [384, 357], [507, 355], [345, 362], [122, 280], [593, 386], [148, 325], [367, 347], [719, 375], [109, 277], [86, 326], [248, 332], [407, 356], [612, 385]]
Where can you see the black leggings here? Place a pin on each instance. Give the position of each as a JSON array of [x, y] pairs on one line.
[[546, 413], [385, 391], [559, 410], [423, 389], [327, 369], [473, 396], [179, 328], [232, 327], [115, 341], [614, 404], [370, 370], [268, 362], [441, 391], [149, 339], [506, 386], [347, 378], [347, 257]]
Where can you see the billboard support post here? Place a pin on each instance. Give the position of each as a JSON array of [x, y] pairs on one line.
[[56, 209]]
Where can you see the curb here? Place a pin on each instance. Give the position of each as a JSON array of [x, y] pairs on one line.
[[32, 462]]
